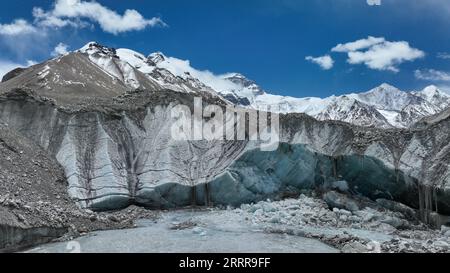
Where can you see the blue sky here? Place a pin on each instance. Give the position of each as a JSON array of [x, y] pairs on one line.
[[266, 40]]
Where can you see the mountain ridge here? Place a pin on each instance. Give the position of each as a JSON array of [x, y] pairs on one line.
[[384, 106]]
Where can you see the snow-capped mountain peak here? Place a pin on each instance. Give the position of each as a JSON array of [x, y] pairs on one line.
[[108, 60], [96, 48], [382, 106], [244, 82], [385, 87], [434, 96], [386, 97], [156, 57], [433, 91]]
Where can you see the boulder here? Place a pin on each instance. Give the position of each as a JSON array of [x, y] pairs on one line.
[[340, 201], [399, 207], [354, 247], [341, 186], [395, 222]]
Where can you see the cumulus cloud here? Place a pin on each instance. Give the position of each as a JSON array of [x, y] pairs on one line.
[[358, 45], [325, 62], [27, 39], [386, 56], [432, 75], [78, 13], [7, 66], [60, 49], [46, 20], [72, 12], [379, 54], [17, 27]]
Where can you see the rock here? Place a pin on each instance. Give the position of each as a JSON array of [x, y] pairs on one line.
[[275, 220], [441, 244], [444, 229], [113, 218], [269, 207], [258, 212], [21, 217], [341, 186], [385, 228], [341, 201], [399, 207], [394, 221], [253, 208], [354, 247], [345, 212], [367, 215]]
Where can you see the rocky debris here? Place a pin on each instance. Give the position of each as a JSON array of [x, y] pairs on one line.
[[34, 203], [371, 229]]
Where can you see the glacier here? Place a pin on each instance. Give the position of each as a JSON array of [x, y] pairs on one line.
[[104, 114]]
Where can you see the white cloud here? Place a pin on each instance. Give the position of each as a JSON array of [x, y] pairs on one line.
[[72, 12], [378, 53], [77, 13], [325, 62], [374, 2], [358, 45], [7, 66], [47, 20], [432, 75], [36, 37], [443, 55], [60, 49], [31, 63], [17, 27]]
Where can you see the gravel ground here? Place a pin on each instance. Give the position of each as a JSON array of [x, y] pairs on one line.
[[304, 224]]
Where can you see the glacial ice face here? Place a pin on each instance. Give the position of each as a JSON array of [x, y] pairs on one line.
[[260, 175], [116, 157], [113, 161]]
